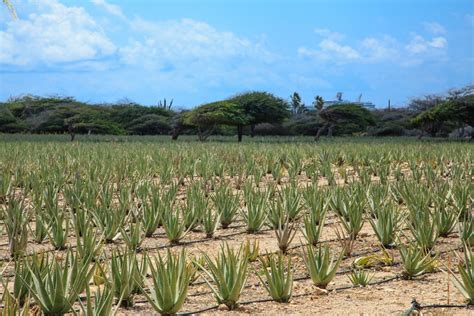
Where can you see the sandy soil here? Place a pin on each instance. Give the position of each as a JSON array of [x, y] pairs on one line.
[[393, 297]]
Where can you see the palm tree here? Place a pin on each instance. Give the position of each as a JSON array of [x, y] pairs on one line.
[[318, 103], [10, 7]]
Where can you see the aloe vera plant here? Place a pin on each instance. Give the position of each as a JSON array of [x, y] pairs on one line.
[[134, 236], [58, 229], [313, 226], [174, 227], [109, 220], [24, 276], [424, 228], [465, 281], [229, 274], [89, 243], [466, 231], [346, 242], [11, 307], [152, 211], [278, 278], [291, 200], [56, 290], [170, 279], [251, 250], [227, 205], [41, 229], [462, 198], [103, 301], [196, 204], [122, 268], [285, 232], [360, 277], [139, 273], [321, 266], [315, 200], [445, 216], [350, 210], [16, 219], [256, 213], [415, 261], [386, 222]]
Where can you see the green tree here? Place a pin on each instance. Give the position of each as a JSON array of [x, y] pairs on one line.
[[260, 107], [458, 111], [344, 119], [208, 116], [318, 103], [296, 104], [10, 8]]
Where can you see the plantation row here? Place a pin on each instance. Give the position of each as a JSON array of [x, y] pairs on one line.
[[98, 211]]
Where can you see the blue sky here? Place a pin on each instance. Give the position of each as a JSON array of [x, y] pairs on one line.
[[206, 50]]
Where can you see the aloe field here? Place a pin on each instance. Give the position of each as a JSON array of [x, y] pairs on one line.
[[130, 225]]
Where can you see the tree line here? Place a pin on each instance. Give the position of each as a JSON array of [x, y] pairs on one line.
[[251, 113]]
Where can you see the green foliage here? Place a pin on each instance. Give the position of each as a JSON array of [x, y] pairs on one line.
[[279, 277], [65, 115], [360, 277], [457, 110], [170, 281], [256, 214], [124, 277], [16, 219], [103, 301], [415, 261], [465, 282], [262, 107], [348, 118], [229, 274], [385, 222], [216, 113], [56, 289], [227, 204], [321, 266]]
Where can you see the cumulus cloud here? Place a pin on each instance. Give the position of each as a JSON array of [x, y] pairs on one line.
[[332, 48], [176, 41], [55, 33], [110, 8], [326, 33], [419, 44], [380, 49], [434, 28]]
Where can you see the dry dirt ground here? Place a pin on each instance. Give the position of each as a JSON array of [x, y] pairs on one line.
[[386, 298], [391, 297]]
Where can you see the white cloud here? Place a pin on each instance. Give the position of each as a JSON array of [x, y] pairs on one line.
[[111, 8], [332, 49], [379, 49], [326, 33], [434, 28], [53, 34], [178, 42], [341, 51], [419, 44]]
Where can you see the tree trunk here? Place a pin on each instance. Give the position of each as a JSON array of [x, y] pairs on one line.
[[330, 130], [320, 131], [175, 133], [240, 131], [252, 130]]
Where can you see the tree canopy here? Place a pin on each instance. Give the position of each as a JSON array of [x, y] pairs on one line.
[[347, 118], [262, 107]]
